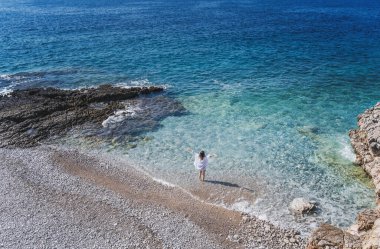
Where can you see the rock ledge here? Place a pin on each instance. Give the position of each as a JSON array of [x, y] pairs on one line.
[[366, 232], [30, 116]]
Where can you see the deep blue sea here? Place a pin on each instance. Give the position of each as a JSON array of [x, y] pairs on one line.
[[271, 88]]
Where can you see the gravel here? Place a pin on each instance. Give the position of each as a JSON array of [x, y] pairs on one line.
[[55, 197]]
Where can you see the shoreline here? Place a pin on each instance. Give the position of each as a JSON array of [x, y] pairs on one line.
[[181, 221]]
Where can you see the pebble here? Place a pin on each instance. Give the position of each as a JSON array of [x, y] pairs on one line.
[[245, 219]]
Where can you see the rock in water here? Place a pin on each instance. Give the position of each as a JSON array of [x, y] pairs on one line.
[[301, 206], [30, 116], [327, 236]]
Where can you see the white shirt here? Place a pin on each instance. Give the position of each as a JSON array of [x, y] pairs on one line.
[[200, 164]]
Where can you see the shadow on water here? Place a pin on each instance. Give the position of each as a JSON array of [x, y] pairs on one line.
[[229, 184]]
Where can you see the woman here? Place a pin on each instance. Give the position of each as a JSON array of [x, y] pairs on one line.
[[201, 163]]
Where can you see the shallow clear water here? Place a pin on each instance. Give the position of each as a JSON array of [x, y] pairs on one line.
[[272, 88]]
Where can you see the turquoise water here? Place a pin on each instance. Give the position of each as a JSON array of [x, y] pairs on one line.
[[271, 88]]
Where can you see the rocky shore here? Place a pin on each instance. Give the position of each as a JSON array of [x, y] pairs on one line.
[[365, 233], [28, 117]]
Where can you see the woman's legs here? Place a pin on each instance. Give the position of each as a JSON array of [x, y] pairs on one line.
[[200, 175], [203, 175]]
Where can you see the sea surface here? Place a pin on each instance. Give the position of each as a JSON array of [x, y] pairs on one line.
[[271, 89]]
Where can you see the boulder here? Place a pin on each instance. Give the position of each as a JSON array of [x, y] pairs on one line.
[[301, 206], [372, 239], [328, 236], [366, 219]]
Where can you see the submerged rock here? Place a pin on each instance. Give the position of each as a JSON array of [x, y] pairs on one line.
[[309, 131], [301, 206], [30, 116]]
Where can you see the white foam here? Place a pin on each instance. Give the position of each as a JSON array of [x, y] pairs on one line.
[[139, 83], [162, 182], [5, 76], [13, 81], [346, 150], [242, 206], [120, 116], [5, 91], [134, 83]]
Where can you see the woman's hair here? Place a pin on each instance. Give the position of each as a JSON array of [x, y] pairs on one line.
[[202, 154]]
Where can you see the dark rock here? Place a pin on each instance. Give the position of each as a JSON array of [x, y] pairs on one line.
[[30, 116]]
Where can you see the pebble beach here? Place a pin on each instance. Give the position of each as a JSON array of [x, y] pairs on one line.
[[57, 197]]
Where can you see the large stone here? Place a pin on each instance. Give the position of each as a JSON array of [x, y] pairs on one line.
[[328, 236], [367, 218], [372, 239], [301, 206]]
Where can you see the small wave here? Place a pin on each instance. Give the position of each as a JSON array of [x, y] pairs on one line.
[[18, 80], [5, 91], [242, 206], [134, 83], [346, 150], [5, 76], [140, 83], [162, 182], [41, 74], [120, 115], [56, 78]]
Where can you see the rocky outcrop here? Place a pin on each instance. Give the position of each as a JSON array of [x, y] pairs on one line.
[[371, 239], [327, 236], [30, 116], [366, 143], [366, 232], [366, 219]]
